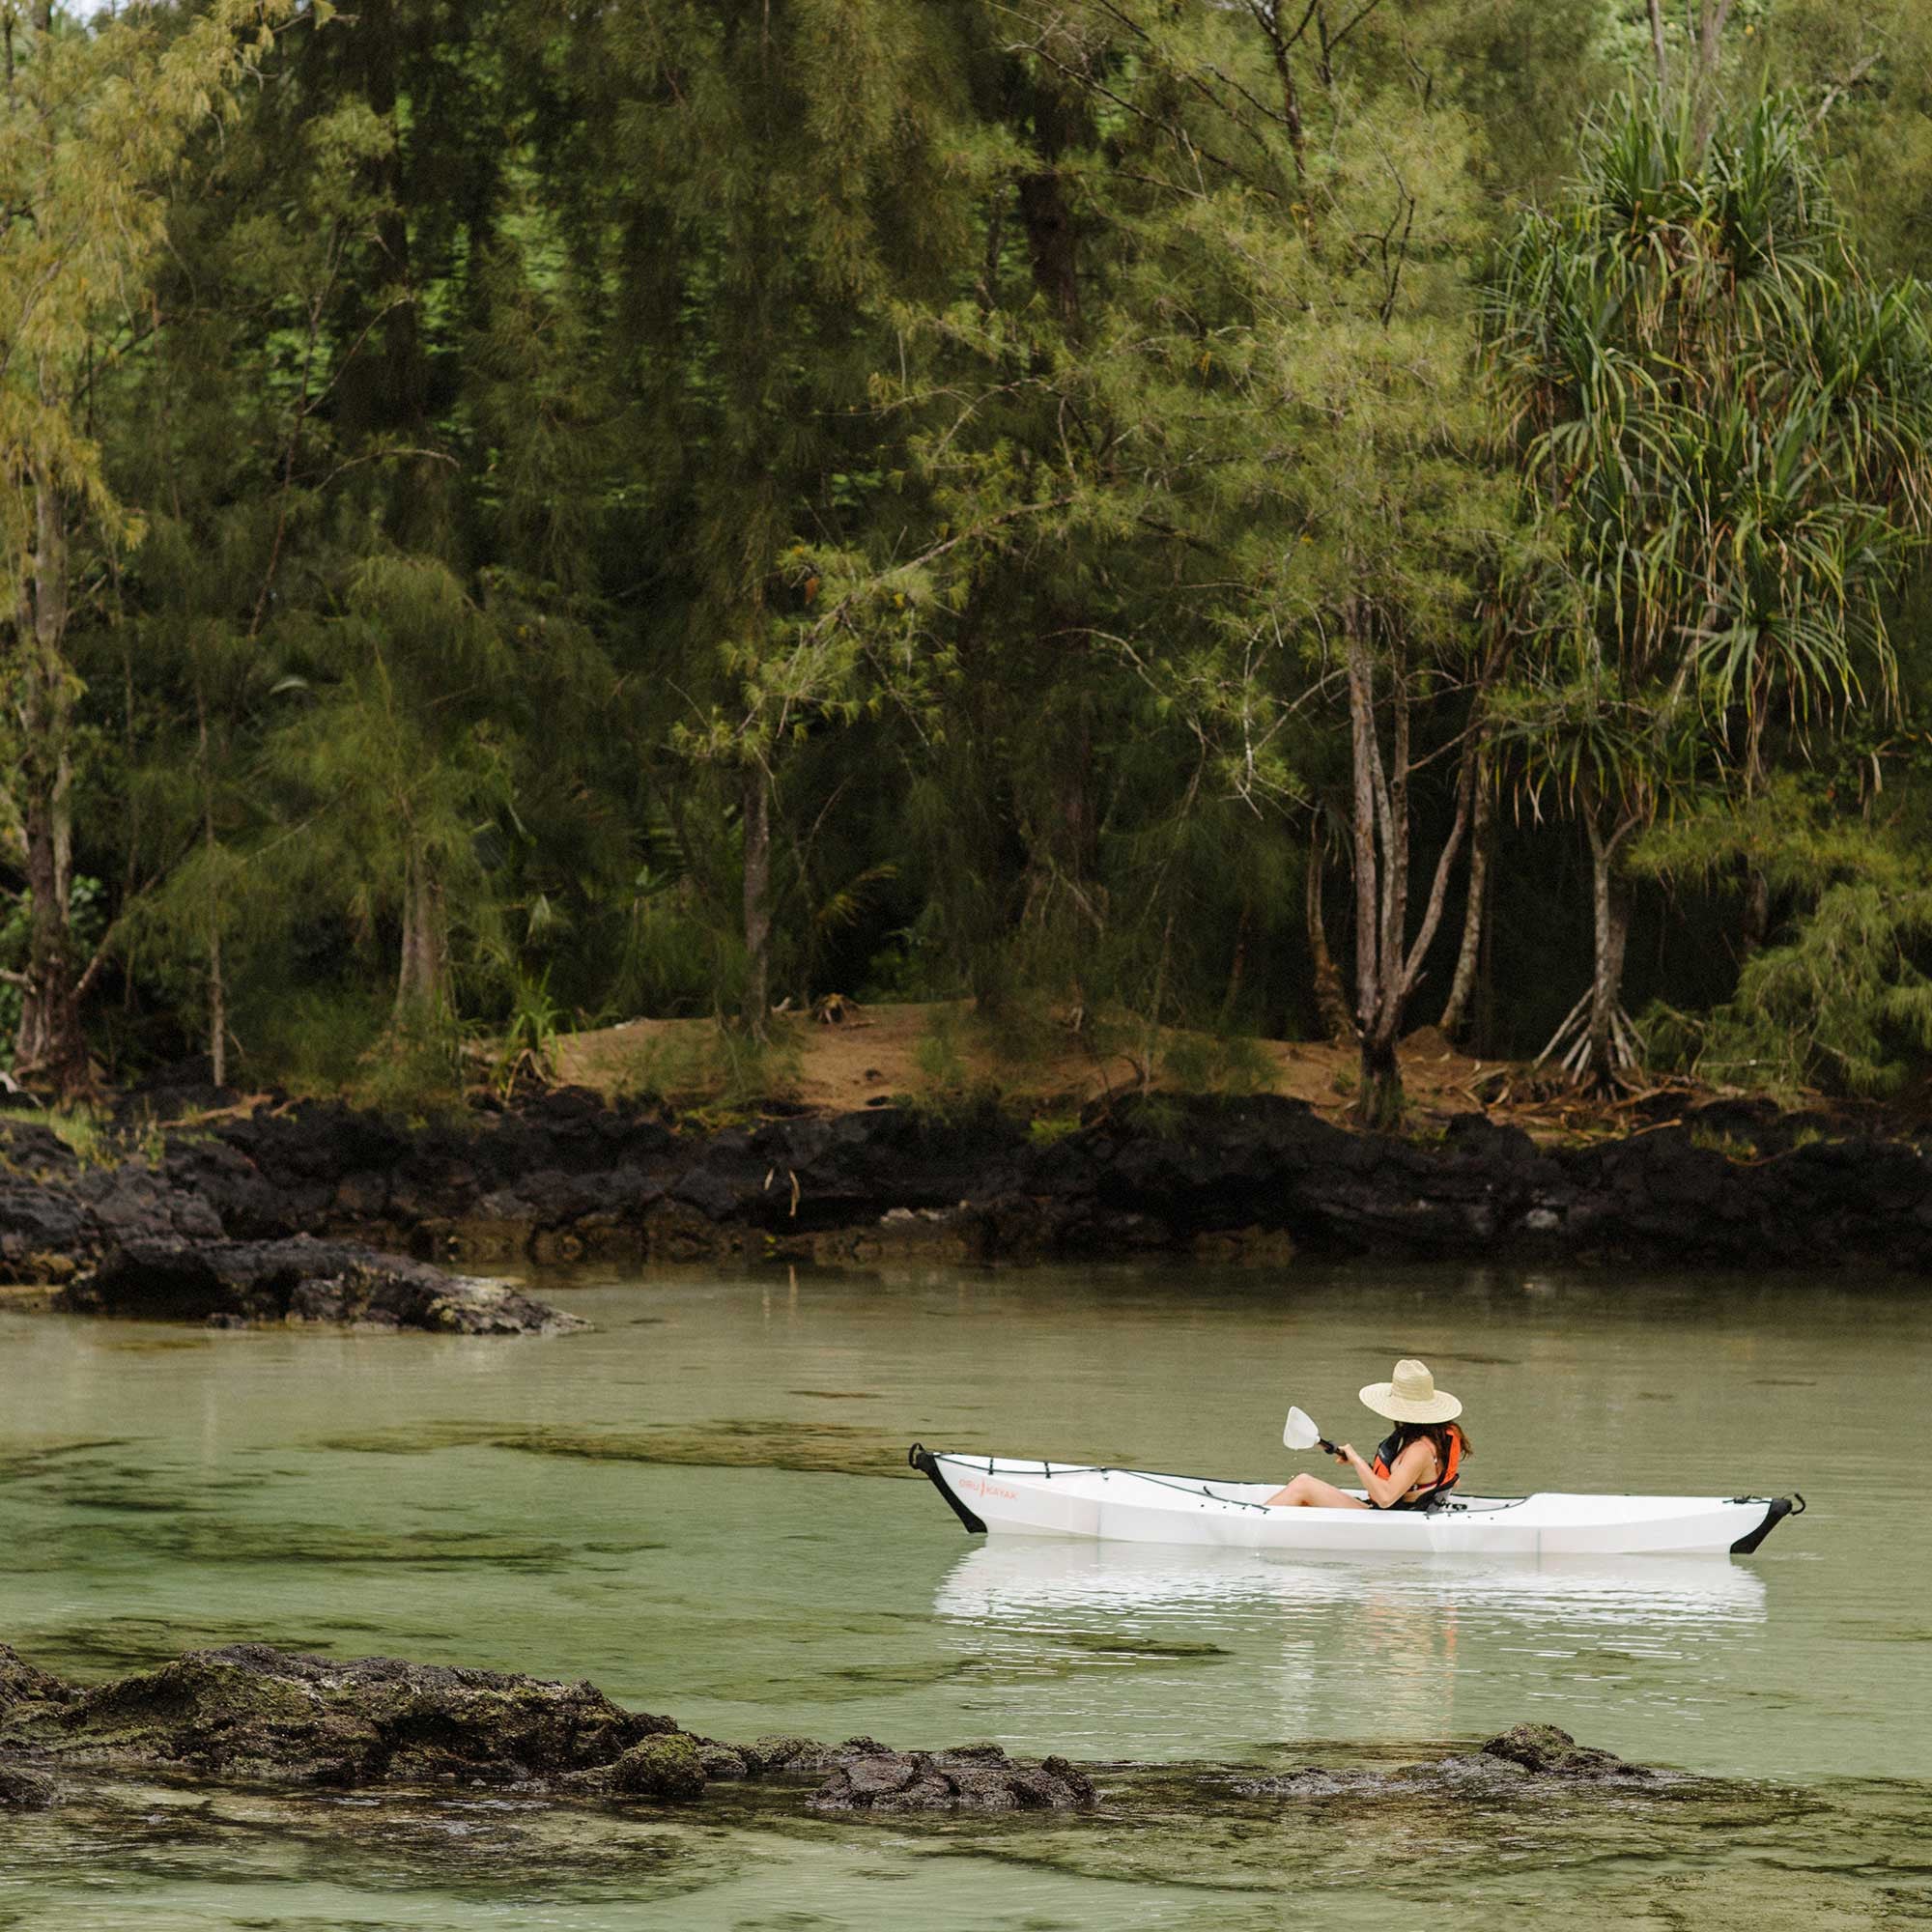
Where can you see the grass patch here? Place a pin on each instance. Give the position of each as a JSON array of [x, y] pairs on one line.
[[706, 1066], [948, 1088], [87, 1134], [1226, 1067]]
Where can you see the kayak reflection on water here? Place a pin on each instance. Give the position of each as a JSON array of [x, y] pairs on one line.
[[1415, 1647], [1029, 1577], [1415, 1466]]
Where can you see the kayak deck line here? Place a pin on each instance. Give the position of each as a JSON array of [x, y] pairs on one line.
[[990, 1496]]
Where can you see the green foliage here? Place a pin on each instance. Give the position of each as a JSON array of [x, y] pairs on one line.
[[86, 1131], [710, 1066], [416, 1070], [1229, 1065], [313, 1038], [1842, 998], [527, 1046], [950, 1090], [87, 921], [749, 1067], [1729, 428], [660, 510]]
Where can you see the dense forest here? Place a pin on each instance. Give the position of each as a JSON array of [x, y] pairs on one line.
[[1298, 517]]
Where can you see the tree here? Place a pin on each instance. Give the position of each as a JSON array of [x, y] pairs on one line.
[[92, 127], [1249, 449], [780, 172], [1724, 428]]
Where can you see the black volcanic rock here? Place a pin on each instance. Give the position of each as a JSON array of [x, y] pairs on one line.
[[305, 1280]]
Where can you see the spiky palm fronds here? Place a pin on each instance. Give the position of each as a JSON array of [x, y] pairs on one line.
[[1730, 429]]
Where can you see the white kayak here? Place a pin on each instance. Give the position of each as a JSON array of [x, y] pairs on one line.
[[1009, 1498]]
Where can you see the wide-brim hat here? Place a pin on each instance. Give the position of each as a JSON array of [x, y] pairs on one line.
[[1410, 1395]]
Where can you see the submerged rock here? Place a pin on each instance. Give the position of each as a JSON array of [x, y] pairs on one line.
[[251, 1714], [24, 1790], [663, 1766], [976, 1778], [301, 1279], [1507, 1765], [253, 1717], [21, 1682], [1553, 1754]]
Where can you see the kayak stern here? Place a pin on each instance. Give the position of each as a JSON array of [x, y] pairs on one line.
[[921, 1458]]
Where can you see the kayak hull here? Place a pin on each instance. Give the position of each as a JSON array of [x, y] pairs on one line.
[[1005, 1496]]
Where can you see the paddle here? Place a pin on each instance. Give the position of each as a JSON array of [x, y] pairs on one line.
[[1299, 1431]]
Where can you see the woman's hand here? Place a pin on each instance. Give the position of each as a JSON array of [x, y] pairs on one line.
[[1344, 1453]]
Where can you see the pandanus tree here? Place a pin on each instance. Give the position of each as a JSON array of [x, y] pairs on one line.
[[1723, 430]]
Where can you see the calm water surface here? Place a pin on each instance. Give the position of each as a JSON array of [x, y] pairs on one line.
[[694, 1507]]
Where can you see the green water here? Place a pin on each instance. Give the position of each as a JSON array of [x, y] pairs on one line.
[[691, 1508]]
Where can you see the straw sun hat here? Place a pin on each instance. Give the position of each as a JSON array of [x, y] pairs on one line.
[[1410, 1395]]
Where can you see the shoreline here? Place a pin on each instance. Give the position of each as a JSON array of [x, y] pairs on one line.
[[350, 1216]]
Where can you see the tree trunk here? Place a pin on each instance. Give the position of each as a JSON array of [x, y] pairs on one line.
[[48, 1043], [1609, 900], [1462, 989], [422, 984], [1330, 1002], [757, 1002], [1378, 1102], [1387, 962], [217, 990], [1052, 243], [1379, 890], [1238, 965], [1757, 910]]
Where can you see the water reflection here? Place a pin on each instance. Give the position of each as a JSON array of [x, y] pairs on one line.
[[1026, 1576], [1335, 1640]]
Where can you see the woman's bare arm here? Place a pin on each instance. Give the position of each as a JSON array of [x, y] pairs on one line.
[[1412, 1467]]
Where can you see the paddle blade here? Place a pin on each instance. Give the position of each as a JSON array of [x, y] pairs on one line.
[[1299, 1431]]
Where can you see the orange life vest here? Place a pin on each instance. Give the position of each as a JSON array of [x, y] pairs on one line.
[[1391, 1446]]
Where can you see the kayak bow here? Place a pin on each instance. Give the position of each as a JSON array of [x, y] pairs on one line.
[[1007, 1497]]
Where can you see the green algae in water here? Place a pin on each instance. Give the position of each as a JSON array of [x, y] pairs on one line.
[[808, 1448]]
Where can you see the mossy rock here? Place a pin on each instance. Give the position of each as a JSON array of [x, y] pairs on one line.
[[665, 1768]]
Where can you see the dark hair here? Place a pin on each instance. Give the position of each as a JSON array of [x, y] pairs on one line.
[[1437, 1435]]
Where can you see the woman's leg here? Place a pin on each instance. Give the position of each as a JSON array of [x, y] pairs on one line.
[[1312, 1492]]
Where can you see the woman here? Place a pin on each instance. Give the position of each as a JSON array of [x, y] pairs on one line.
[[1419, 1462]]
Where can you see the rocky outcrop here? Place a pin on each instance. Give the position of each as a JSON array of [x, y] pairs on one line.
[[1514, 1764], [301, 1279], [566, 1176], [253, 1717], [250, 1715], [976, 1778], [1549, 1752]]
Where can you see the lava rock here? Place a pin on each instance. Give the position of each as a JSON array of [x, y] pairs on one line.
[[1550, 1752], [663, 1766], [24, 1790], [24, 1683], [251, 1714], [977, 1778], [305, 1280]]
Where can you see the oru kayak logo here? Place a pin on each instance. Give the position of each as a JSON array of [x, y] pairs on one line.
[[981, 1487]]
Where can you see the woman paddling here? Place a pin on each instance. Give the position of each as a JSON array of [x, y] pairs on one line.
[[1413, 1466]]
